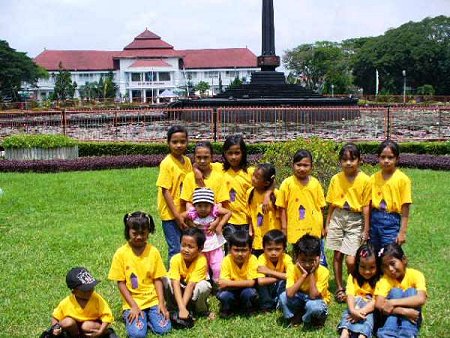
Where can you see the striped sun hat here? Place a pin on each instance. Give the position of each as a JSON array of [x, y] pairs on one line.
[[203, 195]]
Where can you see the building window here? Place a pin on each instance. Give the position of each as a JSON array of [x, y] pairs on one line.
[[150, 76], [136, 77], [164, 76], [211, 74]]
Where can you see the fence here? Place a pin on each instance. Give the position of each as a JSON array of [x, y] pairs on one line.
[[256, 123]]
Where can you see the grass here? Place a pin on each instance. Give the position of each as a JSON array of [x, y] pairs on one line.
[[52, 222]]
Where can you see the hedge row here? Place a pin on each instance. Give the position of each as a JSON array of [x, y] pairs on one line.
[[124, 148]]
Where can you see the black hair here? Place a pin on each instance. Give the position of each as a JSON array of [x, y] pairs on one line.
[[308, 245], [268, 173], [391, 145], [204, 144], [230, 141], [392, 250], [365, 251], [240, 239], [138, 221], [197, 234], [176, 129], [276, 236], [301, 154], [352, 150]]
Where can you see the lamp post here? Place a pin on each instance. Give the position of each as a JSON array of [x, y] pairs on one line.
[[404, 86], [332, 90]]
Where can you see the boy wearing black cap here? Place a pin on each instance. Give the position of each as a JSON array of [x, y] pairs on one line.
[[84, 312]]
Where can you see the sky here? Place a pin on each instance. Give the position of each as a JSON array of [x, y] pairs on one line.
[[34, 25]]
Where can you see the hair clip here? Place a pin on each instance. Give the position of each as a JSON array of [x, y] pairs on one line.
[[363, 253], [380, 252]]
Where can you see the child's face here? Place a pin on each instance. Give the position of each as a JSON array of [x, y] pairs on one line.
[[138, 238], [349, 165], [203, 158], [273, 251], [258, 179], [367, 267], [178, 144], [308, 262], [393, 267], [83, 295], [234, 156], [302, 168], [203, 208], [387, 160], [240, 254], [189, 248]]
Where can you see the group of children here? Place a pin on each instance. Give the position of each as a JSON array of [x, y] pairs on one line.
[[228, 227]]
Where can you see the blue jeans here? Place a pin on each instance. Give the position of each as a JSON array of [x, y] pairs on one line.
[[323, 257], [172, 233], [399, 326], [152, 318], [244, 299], [384, 228], [269, 294], [312, 309], [364, 327]]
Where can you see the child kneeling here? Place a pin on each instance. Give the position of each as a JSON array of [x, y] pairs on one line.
[[238, 277], [84, 312], [306, 296], [188, 288]]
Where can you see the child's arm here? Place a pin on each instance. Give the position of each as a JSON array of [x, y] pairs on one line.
[[228, 283], [283, 220], [268, 198], [331, 208], [366, 217], [313, 291], [57, 329], [401, 238], [135, 311], [98, 332], [224, 217], [355, 315], [169, 201], [291, 291], [180, 298], [271, 277], [160, 293]]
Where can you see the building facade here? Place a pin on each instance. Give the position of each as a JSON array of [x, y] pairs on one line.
[[148, 69]]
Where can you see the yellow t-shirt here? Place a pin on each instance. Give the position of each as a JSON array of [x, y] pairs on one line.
[[303, 205], [322, 275], [262, 223], [171, 176], [394, 192], [213, 182], [138, 272], [353, 289], [196, 272], [236, 184], [349, 195], [284, 262], [96, 309], [412, 279], [231, 271]]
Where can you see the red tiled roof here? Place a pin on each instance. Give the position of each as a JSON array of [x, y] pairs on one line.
[[148, 40], [150, 63], [218, 58], [89, 60], [147, 53]]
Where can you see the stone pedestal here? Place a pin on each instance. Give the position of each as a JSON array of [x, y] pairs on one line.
[[65, 153]]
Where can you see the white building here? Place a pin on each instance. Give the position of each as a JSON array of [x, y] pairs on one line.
[[149, 68]]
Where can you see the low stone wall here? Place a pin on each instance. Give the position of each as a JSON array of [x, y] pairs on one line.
[[65, 153]]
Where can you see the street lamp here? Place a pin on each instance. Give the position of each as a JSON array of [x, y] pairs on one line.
[[332, 90], [404, 86]]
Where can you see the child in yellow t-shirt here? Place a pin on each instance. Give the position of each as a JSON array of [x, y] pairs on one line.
[[391, 199], [399, 294], [188, 277], [347, 224], [261, 222], [84, 312], [306, 296], [237, 292], [172, 172], [273, 263], [138, 269]]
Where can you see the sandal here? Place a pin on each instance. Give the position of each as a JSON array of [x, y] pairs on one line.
[[340, 296]]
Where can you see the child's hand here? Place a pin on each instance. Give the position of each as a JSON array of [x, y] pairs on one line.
[[387, 307], [411, 314], [324, 232], [263, 269], [180, 222], [401, 238], [356, 316], [183, 314], [198, 176], [365, 236], [302, 269], [212, 226], [134, 314], [95, 333], [56, 329], [164, 312]]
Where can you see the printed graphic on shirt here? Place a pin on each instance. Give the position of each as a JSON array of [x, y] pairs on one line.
[[383, 205], [260, 219], [232, 195], [301, 212], [134, 281]]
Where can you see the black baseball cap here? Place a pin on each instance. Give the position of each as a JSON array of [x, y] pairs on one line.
[[79, 278]]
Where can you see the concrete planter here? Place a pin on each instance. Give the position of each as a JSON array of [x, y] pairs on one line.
[[63, 153]]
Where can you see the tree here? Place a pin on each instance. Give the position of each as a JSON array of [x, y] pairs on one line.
[[236, 83], [202, 87], [64, 87], [16, 68]]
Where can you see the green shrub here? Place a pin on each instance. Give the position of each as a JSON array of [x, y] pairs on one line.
[[38, 141], [324, 152]]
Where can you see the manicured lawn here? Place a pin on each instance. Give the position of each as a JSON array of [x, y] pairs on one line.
[[52, 222]]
